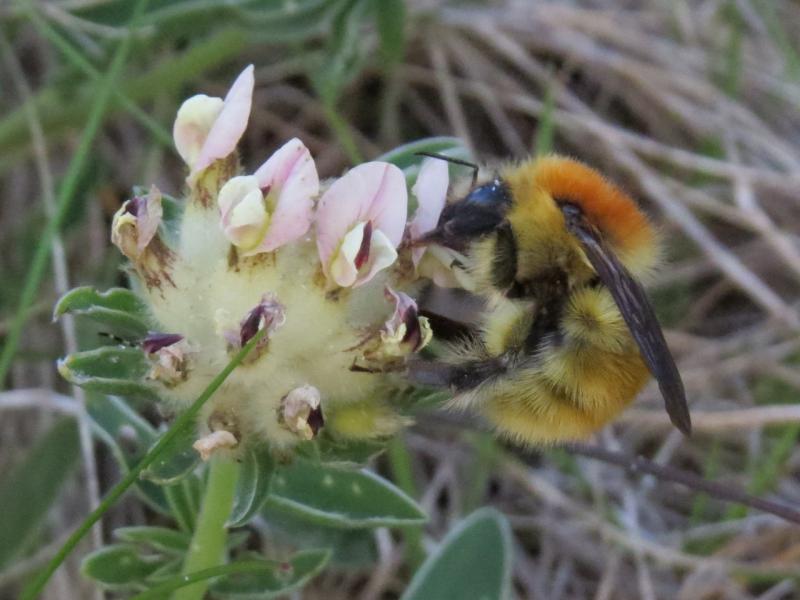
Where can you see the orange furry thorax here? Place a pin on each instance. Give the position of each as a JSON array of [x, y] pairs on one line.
[[612, 211]]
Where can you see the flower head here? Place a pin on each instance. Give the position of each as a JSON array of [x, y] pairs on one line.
[[273, 207], [360, 222], [207, 128]]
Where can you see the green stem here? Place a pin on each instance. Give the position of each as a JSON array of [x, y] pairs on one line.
[[185, 420], [208, 542]]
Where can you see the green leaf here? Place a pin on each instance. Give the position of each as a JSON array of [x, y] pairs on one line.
[[176, 461], [160, 539], [390, 18], [348, 452], [345, 52], [128, 436], [545, 132], [168, 570], [473, 562], [405, 156], [109, 370], [120, 565], [274, 580], [341, 498], [275, 21], [118, 309], [252, 487], [32, 486], [183, 499], [350, 548]]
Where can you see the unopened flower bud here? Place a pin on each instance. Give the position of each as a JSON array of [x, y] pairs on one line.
[[169, 352], [215, 441]]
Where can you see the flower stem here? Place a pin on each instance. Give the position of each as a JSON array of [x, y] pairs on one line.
[[208, 543]]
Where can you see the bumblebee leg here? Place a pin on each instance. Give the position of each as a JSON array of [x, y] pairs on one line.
[[458, 377]]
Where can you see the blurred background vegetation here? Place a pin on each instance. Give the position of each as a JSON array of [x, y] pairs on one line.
[[692, 105]]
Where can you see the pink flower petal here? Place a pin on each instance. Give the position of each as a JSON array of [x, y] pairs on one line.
[[389, 207], [230, 124], [374, 191], [431, 192], [291, 177]]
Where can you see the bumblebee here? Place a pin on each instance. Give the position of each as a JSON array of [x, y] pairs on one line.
[[568, 337]]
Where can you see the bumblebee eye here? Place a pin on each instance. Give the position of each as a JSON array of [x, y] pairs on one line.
[[489, 195]]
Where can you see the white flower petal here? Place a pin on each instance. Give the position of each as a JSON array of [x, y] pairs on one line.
[[192, 124], [244, 217]]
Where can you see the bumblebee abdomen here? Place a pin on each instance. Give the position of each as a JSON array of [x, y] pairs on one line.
[[577, 379]]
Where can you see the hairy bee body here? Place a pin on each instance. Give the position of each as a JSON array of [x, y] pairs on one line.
[[567, 339]]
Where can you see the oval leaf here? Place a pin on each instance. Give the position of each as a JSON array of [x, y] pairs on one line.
[[341, 498], [110, 370], [120, 565], [473, 562], [176, 461], [161, 539], [276, 579], [118, 309], [350, 548], [252, 487]]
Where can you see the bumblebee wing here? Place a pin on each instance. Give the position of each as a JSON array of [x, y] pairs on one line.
[[638, 313]]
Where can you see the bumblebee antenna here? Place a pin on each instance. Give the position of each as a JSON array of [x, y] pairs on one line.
[[455, 161]]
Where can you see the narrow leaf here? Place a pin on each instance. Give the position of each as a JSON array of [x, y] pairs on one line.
[[118, 309], [161, 539], [252, 487], [406, 156], [473, 562], [183, 499], [32, 486], [177, 461], [391, 20], [343, 498]]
